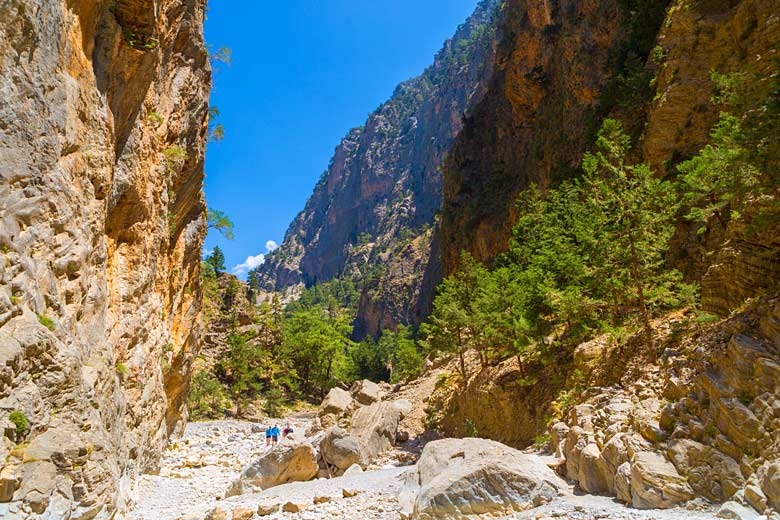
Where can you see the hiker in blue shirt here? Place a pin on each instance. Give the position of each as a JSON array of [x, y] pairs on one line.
[[275, 435], [269, 434]]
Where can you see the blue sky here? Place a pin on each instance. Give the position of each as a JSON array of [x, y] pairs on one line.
[[303, 73]]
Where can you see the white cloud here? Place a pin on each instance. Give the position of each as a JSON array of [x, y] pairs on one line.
[[207, 252], [250, 263]]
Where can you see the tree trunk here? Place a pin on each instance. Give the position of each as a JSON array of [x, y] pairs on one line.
[[640, 291], [460, 355]]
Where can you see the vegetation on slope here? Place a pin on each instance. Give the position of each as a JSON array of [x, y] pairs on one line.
[[590, 255], [291, 353]]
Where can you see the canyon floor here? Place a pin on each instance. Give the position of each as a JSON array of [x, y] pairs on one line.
[[198, 469]]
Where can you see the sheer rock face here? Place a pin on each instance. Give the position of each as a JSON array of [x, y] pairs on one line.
[[384, 181], [532, 124], [102, 134], [537, 118]]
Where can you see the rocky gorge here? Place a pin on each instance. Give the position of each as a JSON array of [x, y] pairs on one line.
[[107, 313], [378, 199]]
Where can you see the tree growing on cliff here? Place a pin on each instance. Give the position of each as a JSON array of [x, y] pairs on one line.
[[405, 358], [315, 342], [218, 221], [739, 166], [242, 370], [581, 253], [452, 326], [207, 398]]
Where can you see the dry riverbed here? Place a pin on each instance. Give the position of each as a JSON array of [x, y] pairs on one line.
[[198, 469]]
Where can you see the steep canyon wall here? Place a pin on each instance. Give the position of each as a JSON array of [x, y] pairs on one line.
[[102, 135]]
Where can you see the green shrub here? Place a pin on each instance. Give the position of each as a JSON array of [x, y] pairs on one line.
[[46, 322], [433, 416], [174, 156], [471, 428], [745, 398], [207, 397], [21, 423], [121, 369], [274, 403], [658, 55], [155, 118], [541, 441]]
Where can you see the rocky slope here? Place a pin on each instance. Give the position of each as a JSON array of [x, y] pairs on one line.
[[694, 416], [383, 186], [102, 135], [699, 421]]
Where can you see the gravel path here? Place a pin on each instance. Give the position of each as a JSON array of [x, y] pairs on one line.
[[197, 470]]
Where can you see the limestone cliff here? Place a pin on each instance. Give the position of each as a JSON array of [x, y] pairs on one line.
[[102, 134], [383, 185], [562, 66]]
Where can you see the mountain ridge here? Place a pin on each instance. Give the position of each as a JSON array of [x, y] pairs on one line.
[[383, 183]]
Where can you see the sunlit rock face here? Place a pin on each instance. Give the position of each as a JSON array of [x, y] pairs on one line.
[[102, 135]]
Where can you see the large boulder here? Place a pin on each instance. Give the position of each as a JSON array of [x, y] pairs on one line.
[[337, 402], [375, 427], [366, 392], [293, 460], [457, 478], [769, 476], [338, 448], [656, 484]]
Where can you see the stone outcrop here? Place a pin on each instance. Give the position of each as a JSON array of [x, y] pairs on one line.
[[499, 401], [457, 478], [293, 460], [656, 484], [702, 423], [383, 188], [103, 123]]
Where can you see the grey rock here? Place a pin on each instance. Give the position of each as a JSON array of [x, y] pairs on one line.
[[736, 511], [291, 461], [656, 484], [366, 392], [340, 449], [335, 403], [375, 427], [462, 477]]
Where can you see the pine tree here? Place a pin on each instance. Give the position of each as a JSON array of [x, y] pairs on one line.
[[452, 326], [216, 260], [635, 211], [220, 222], [241, 369]]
